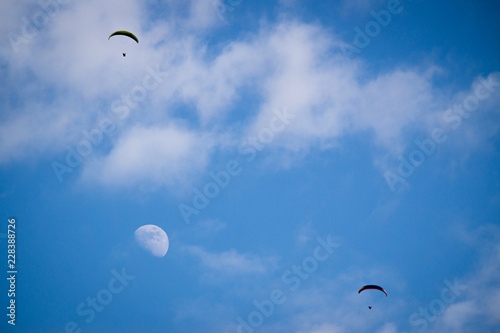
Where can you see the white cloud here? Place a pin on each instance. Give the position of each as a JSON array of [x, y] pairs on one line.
[[324, 328], [231, 262], [12, 12], [331, 97], [481, 307], [456, 315], [72, 49], [211, 226], [388, 328], [477, 308], [290, 65], [154, 155], [202, 14], [35, 131], [331, 304], [305, 233]]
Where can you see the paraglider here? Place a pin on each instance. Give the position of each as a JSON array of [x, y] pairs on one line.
[[372, 286], [124, 33]]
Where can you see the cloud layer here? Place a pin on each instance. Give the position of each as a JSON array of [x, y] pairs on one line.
[[208, 99]]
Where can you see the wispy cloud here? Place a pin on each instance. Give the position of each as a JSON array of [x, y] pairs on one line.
[[474, 306], [478, 310], [231, 262], [284, 63], [155, 155], [324, 328]]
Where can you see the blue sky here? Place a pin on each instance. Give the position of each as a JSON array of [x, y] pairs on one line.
[[286, 169]]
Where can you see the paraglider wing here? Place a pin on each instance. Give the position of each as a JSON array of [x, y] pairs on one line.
[[372, 286], [124, 33]]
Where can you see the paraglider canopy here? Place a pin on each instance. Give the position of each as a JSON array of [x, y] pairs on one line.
[[124, 33], [372, 286]]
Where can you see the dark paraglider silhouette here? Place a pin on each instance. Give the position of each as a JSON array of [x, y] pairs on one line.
[[372, 286], [124, 33]]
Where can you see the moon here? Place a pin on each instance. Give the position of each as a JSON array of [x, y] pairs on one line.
[[153, 239]]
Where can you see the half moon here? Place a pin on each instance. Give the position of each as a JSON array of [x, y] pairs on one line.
[[153, 239]]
